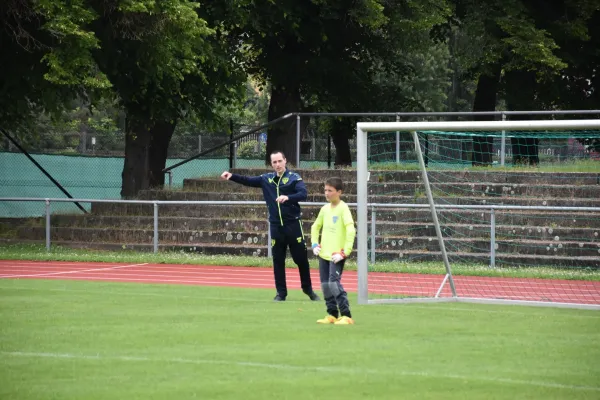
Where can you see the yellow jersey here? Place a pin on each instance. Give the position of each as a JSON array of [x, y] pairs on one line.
[[338, 230]]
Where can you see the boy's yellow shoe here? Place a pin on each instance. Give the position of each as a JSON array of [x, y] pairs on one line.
[[344, 321], [330, 319]]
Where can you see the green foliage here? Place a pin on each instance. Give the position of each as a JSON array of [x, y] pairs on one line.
[[71, 63], [252, 149]]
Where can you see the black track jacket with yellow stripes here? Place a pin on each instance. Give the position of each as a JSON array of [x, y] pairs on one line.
[[290, 184]]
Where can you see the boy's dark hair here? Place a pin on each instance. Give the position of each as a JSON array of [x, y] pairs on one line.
[[335, 182], [278, 151]]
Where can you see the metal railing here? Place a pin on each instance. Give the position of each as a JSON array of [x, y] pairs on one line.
[[372, 206]]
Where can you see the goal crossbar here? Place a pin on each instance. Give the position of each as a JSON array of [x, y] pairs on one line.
[[363, 128]]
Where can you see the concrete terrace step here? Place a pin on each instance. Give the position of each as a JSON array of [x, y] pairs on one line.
[[471, 229], [492, 176], [192, 217], [459, 243], [208, 249], [411, 188], [256, 195]]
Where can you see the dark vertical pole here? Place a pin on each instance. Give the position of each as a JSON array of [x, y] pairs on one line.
[[230, 143], [328, 151]]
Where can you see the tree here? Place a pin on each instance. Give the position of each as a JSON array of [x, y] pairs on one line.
[[51, 63], [515, 36], [326, 54], [164, 61], [161, 59]]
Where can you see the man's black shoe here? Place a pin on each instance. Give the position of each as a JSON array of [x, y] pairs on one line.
[[279, 298], [314, 297]]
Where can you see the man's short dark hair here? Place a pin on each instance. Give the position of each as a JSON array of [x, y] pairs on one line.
[[278, 151], [335, 182]]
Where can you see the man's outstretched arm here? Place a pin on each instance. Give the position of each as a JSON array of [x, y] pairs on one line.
[[253, 181]]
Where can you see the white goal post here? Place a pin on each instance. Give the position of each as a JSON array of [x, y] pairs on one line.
[[362, 162]]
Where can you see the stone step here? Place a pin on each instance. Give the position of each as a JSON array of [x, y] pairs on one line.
[[542, 246], [507, 260], [400, 226], [182, 217], [459, 175], [483, 189], [164, 195]]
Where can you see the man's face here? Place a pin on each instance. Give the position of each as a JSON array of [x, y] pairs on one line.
[[278, 163]]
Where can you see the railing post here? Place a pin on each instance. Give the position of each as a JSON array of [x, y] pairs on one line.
[[397, 142], [47, 225], [155, 239], [297, 141], [373, 222], [170, 179], [492, 238], [503, 143]]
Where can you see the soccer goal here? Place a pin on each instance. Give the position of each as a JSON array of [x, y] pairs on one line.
[[501, 212]]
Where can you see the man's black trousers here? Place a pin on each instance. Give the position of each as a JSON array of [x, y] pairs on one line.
[[290, 235]]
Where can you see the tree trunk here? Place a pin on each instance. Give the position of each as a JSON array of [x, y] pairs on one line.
[[146, 147], [341, 132], [282, 136], [520, 96], [161, 132], [485, 100]]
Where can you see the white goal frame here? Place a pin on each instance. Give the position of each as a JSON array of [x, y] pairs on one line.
[[362, 168]]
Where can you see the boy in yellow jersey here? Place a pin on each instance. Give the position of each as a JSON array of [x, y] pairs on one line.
[[337, 239]]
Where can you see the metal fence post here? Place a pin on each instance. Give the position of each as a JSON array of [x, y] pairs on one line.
[[155, 239], [234, 159], [328, 151], [47, 225], [492, 238], [297, 141], [397, 142], [373, 218], [503, 144], [170, 179]]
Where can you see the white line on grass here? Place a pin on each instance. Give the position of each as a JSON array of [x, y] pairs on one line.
[[72, 271], [289, 367]]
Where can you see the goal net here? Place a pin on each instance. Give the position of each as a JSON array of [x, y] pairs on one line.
[[486, 211]]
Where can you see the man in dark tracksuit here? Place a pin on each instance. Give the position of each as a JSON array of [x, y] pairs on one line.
[[282, 191]]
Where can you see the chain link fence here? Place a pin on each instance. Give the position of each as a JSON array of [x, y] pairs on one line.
[[89, 164]]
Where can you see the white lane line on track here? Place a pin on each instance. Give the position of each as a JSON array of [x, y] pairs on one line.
[[290, 367], [70, 272]]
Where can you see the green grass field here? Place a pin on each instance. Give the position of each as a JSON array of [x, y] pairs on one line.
[[92, 340]]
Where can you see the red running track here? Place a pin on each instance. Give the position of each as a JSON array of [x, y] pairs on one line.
[[380, 284]]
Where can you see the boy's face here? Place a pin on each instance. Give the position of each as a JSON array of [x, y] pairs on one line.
[[331, 194]]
